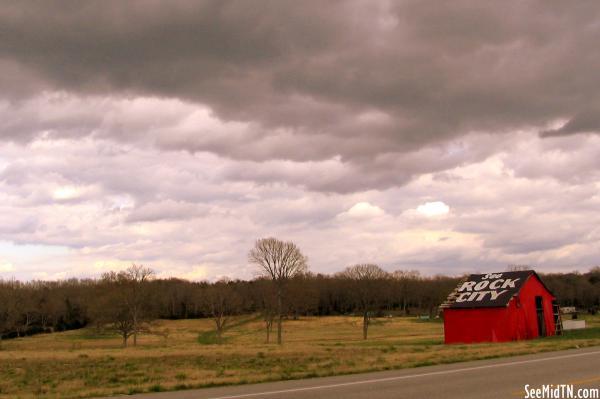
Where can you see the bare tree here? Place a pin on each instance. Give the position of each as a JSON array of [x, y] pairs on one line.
[[137, 295], [122, 323], [266, 299], [365, 282], [302, 296], [405, 281], [27, 309], [109, 310], [280, 261], [126, 302], [221, 302], [8, 308]]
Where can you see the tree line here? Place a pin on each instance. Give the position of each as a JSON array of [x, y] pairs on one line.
[[128, 302]]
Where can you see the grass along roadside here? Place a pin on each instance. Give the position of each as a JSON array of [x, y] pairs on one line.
[[82, 363]]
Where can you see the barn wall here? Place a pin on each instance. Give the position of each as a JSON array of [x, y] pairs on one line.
[[527, 301], [477, 325]]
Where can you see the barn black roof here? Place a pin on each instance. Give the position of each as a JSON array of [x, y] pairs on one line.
[[488, 290]]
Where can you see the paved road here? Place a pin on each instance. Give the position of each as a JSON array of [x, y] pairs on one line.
[[497, 378]]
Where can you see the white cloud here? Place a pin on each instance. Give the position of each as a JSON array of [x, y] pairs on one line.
[[433, 209], [6, 267], [65, 193], [363, 210]]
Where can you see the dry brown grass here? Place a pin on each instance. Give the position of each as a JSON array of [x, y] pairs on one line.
[[82, 363]]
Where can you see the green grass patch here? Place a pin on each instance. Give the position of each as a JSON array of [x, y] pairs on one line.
[[586, 333]]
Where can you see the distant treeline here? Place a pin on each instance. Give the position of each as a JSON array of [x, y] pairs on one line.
[[129, 301]]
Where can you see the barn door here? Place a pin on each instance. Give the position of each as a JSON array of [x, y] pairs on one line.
[[541, 320]]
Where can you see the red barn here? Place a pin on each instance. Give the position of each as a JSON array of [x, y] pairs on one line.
[[499, 307]]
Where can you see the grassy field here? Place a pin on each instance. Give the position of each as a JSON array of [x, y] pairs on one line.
[[83, 363]]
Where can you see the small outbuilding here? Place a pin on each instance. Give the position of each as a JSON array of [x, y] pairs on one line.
[[500, 307]]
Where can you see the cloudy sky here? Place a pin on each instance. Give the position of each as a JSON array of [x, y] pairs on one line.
[[446, 137]]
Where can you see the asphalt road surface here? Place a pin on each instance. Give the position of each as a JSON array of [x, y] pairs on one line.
[[496, 378]]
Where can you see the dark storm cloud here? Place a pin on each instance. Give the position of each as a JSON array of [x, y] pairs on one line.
[[373, 77]]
